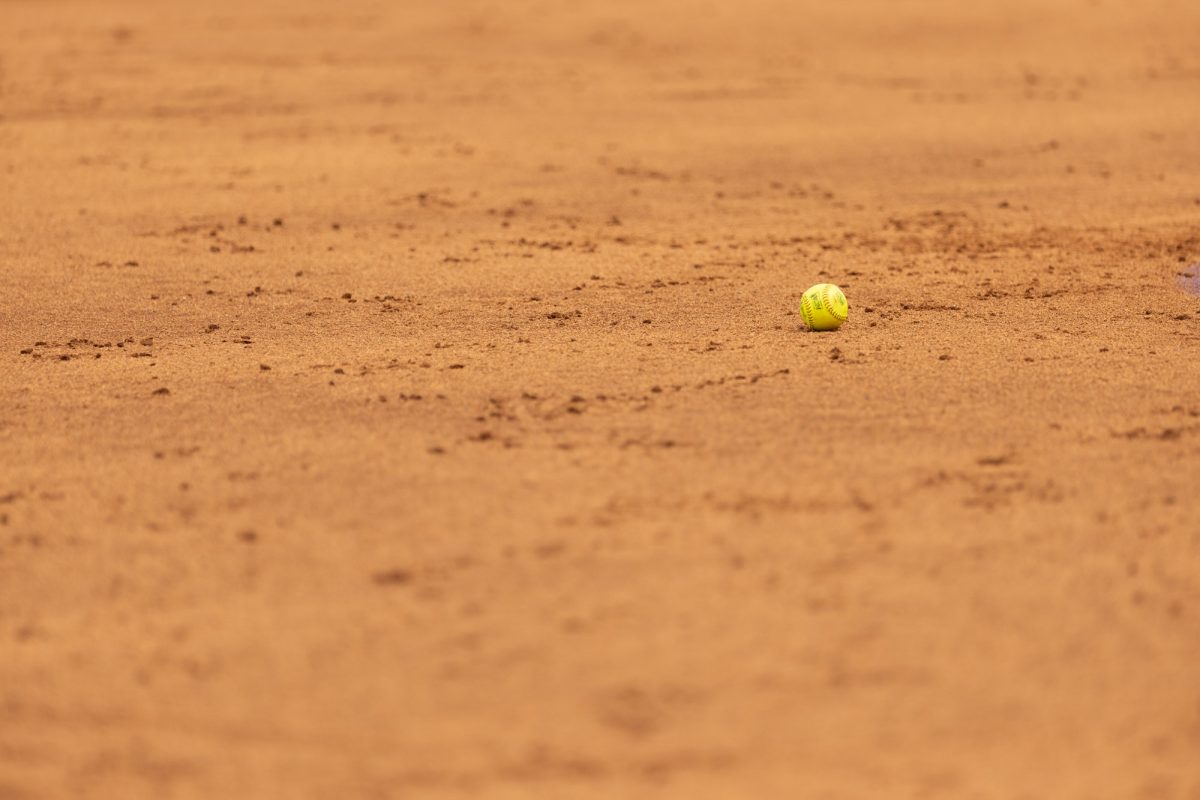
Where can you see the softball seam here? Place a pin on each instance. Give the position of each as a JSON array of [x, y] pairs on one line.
[[826, 293]]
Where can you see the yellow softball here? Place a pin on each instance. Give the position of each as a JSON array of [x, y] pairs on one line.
[[824, 307]]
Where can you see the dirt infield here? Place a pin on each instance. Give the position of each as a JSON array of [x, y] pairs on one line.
[[411, 401]]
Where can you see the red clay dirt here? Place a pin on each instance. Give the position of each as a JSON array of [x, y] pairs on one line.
[[410, 400]]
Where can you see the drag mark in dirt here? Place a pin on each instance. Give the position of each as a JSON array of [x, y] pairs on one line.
[[507, 419], [84, 348], [1183, 423], [996, 484], [1162, 435]]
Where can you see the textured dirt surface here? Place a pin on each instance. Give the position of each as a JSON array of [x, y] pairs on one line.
[[410, 400]]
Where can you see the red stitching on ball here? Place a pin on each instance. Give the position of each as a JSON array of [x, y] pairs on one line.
[[827, 292]]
